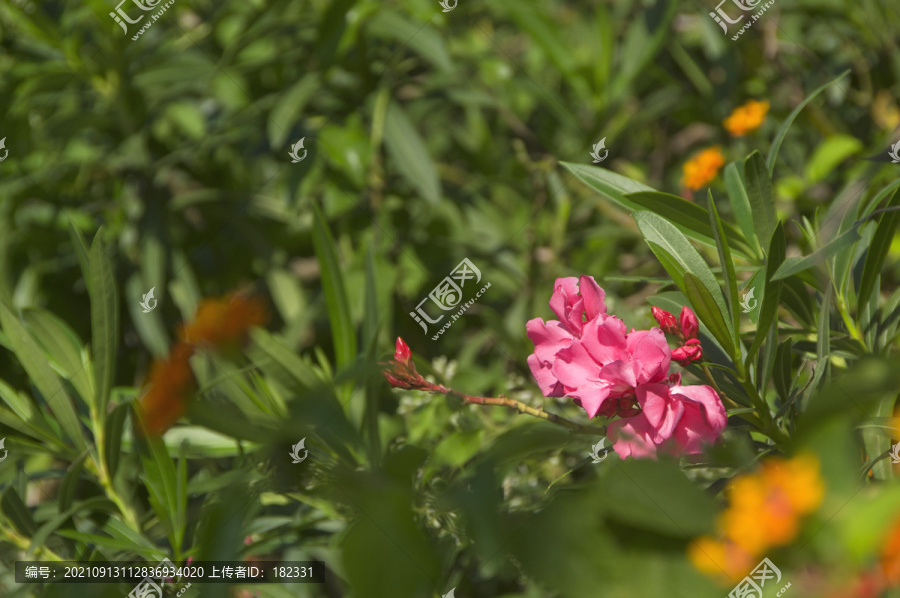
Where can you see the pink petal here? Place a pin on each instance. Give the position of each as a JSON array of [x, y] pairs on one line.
[[543, 375], [563, 301], [650, 350], [574, 367], [712, 408], [605, 340], [631, 437], [594, 297], [548, 338], [661, 411]]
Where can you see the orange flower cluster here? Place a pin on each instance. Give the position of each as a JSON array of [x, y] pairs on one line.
[[746, 118], [764, 510], [220, 323], [703, 168]]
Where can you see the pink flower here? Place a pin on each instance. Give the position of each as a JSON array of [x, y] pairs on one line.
[[608, 364], [688, 322], [665, 319], [688, 353], [573, 301], [400, 371], [680, 419]]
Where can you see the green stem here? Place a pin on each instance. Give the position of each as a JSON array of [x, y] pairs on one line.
[[522, 408], [101, 470]]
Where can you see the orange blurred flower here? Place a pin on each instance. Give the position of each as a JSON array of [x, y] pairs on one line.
[[170, 383], [224, 322], [221, 323], [890, 556], [764, 510], [703, 168], [746, 118]]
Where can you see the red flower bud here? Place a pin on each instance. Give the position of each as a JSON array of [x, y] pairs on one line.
[[402, 354], [665, 319], [688, 321], [688, 353]]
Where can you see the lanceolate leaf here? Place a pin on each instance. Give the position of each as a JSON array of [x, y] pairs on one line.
[[799, 264], [707, 310], [35, 363], [771, 291], [759, 192], [878, 250], [104, 324], [659, 232], [728, 273], [779, 137], [740, 204], [342, 330]]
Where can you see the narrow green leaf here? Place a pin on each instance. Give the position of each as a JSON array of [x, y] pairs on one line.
[[728, 273], [693, 220], [823, 342], [302, 376], [610, 185], [759, 192], [799, 264], [342, 331], [63, 347], [771, 291], [69, 484], [740, 205], [18, 514], [41, 374], [669, 264], [410, 154], [781, 376], [82, 253], [97, 503], [706, 309], [878, 250], [779, 137], [662, 233], [159, 478], [104, 324], [113, 430]]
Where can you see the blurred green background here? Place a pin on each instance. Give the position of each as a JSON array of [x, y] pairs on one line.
[[431, 137]]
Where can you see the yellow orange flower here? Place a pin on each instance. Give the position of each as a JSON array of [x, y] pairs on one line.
[[224, 321], [169, 386], [746, 118], [890, 556], [703, 168], [221, 323], [764, 510]]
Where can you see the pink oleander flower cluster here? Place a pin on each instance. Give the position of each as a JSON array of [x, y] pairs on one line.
[[589, 356]]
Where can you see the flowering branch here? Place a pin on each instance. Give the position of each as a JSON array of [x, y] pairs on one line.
[[401, 373]]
